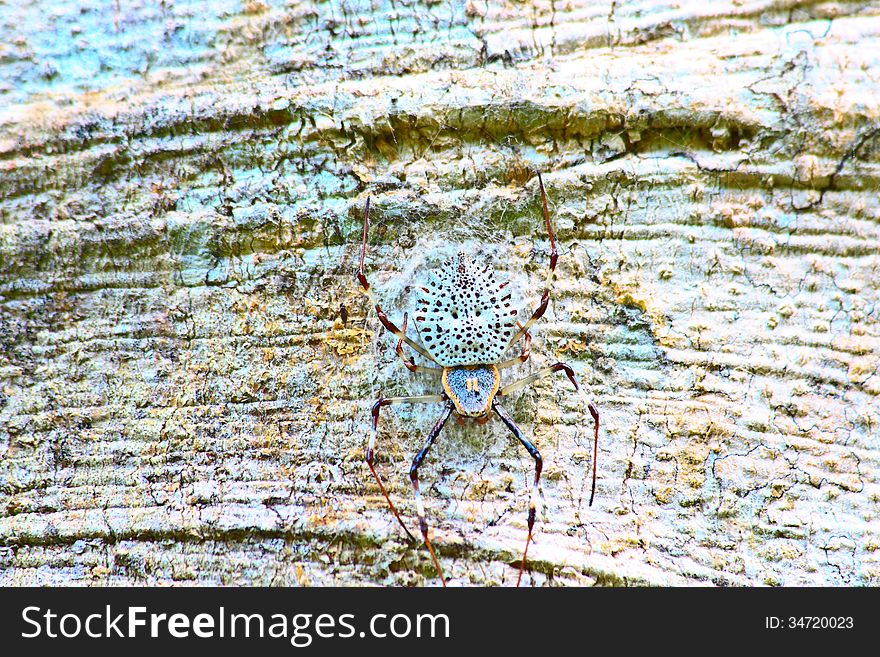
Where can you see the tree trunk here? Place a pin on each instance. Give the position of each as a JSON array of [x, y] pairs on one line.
[[188, 364]]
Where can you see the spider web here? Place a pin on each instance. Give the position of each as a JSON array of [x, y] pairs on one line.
[[465, 316]]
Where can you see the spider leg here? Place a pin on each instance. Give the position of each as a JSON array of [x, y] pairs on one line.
[[595, 413], [540, 374], [523, 357], [362, 279], [385, 401], [545, 298], [414, 478], [533, 488], [411, 366]]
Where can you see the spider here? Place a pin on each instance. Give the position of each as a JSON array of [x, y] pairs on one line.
[[466, 325]]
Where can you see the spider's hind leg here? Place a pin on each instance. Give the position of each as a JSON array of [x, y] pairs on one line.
[[365, 284], [410, 365], [524, 354], [548, 284]]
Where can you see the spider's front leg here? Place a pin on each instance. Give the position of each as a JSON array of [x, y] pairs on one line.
[[540, 374], [539, 463], [414, 478], [385, 401]]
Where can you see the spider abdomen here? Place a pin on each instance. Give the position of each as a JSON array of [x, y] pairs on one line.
[[471, 388], [465, 315]]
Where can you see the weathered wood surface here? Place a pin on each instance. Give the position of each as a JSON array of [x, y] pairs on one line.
[[180, 195]]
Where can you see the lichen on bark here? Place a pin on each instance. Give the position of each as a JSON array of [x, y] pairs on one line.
[[187, 364]]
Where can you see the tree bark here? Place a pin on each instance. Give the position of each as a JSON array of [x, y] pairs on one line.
[[188, 365]]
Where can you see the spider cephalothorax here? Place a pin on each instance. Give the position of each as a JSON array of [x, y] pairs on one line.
[[471, 388], [467, 323]]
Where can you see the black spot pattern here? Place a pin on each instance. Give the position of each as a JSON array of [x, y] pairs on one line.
[[465, 316]]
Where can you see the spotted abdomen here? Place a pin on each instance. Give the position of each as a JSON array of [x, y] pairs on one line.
[[472, 388], [465, 315]]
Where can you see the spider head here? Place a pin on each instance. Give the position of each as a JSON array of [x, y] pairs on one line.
[[471, 388]]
